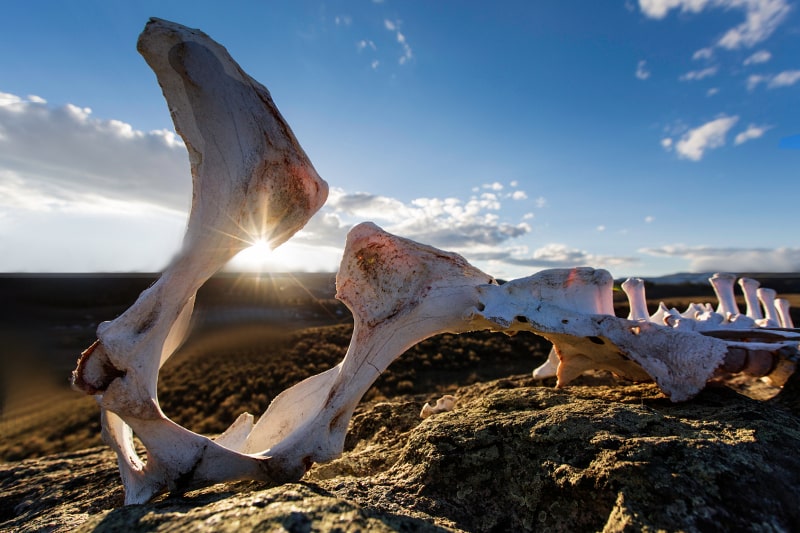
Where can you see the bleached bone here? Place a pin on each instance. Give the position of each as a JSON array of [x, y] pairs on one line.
[[680, 360], [662, 315], [400, 292], [749, 288], [549, 368], [723, 288], [578, 296], [444, 404], [767, 299], [693, 310], [785, 316], [635, 291], [251, 180]]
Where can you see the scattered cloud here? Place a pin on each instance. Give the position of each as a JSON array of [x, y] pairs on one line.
[[710, 259], [712, 91], [752, 132], [343, 20], [694, 143], [703, 53], [519, 195], [761, 17], [649, 219], [394, 27], [754, 80], [540, 202], [762, 56], [364, 44], [782, 79], [600, 228], [694, 75], [496, 186], [642, 72], [666, 143]]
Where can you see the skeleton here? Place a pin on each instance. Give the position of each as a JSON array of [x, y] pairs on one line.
[[252, 179]]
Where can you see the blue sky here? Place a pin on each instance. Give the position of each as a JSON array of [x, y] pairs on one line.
[[646, 137]]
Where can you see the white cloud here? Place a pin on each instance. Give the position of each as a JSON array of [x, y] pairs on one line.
[[449, 223], [762, 56], [752, 132], [495, 186], [762, 17], [519, 195], [703, 53], [394, 27], [666, 143], [64, 152], [710, 259], [649, 219], [754, 80], [514, 183], [642, 72], [557, 255], [365, 43], [343, 20], [712, 91], [540, 202], [694, 143], [761, 20], [694, 75], [600, 228], [782, 79]]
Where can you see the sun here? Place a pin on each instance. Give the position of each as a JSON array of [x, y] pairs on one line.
[[256, 258]]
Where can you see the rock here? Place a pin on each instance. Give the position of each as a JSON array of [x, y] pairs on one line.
[[513, 455]]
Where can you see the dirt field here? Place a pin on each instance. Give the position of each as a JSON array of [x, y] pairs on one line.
[[253, 337]]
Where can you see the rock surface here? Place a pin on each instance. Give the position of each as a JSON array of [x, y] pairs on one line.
[[513, 455]]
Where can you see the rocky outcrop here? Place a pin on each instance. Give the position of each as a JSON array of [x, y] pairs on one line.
[[512, 455]]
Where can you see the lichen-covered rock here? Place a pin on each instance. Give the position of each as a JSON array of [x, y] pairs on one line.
[[512, 455]]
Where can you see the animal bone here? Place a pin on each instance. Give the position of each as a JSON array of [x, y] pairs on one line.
[[767, 299], [400, 292], [251, 180], [723, 288], [749, 287], [444, 404], [782, 306], [634, 290], [569, 307]]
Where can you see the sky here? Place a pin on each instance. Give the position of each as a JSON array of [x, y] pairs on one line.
[[646, 138]]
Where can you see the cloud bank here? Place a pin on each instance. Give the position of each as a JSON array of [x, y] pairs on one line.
[[708, 258], [65, 155]]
